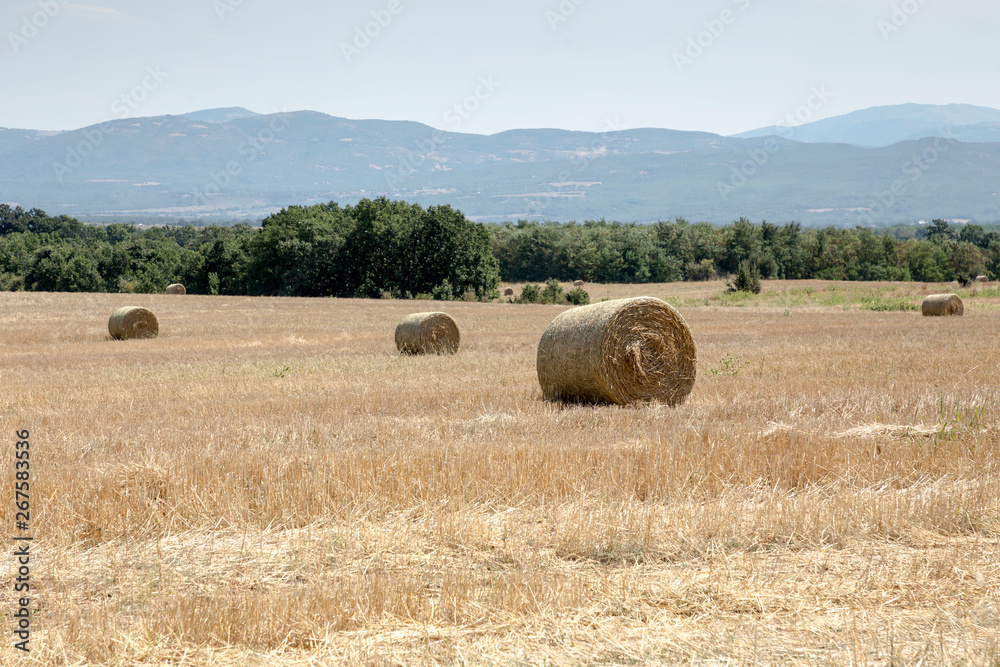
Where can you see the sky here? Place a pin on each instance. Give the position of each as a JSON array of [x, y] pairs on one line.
[[722, 66]]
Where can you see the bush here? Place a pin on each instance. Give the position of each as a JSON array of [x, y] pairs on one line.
[[11, 282], [747, 278], [700, 271], [529, 294], [578, 297], [553, 292], [879, 303], [443, 292]]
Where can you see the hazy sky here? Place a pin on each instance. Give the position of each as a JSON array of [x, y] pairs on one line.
[[719, 65]]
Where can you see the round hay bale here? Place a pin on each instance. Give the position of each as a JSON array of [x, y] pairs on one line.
[[621, 351], [942, 304], [133, 322], [427, 333], [175, 288], [982, 279], [578, 283], [509, 291]]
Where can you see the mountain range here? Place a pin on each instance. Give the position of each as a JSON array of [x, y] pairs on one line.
[[876, 166], [888, 125]]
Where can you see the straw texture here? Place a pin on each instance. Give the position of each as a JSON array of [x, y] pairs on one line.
[[622, 351], [175, 288], [133, 322], [942, 304], [427, 333]]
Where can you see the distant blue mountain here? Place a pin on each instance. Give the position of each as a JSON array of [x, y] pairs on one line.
[[189, 166], [888, 125], [16, 138], [220, 115]]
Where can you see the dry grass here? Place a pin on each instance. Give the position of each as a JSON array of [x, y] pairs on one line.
[[270, 482]]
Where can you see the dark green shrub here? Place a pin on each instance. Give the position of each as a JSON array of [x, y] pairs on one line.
[[578, 297], [443, 292], [698, 271], [553, 292], [529, 294], [747, 278]]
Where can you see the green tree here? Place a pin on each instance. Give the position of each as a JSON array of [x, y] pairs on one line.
[[926, 261], [965, 261], [45, 269], [297, 252], [940, 230]]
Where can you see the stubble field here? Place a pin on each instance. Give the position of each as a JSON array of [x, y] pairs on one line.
[[269, 482]]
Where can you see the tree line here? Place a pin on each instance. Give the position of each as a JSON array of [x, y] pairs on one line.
[[609, 252], [384, 248], [378, 248]]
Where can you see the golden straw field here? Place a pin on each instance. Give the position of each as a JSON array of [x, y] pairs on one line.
[[269, 482]]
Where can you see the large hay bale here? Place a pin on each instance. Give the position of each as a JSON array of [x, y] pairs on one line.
[[578, 283], [508, 292], [942, 304], [175, 288], [620, 351], [427, 333], [133, 322], [982, 279]]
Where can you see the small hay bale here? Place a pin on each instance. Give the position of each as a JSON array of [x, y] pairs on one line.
[[620, 351], [578, 283], [942, 304], [175, 288], [133, 322], [427, 333], [982, 279], [509, 291]]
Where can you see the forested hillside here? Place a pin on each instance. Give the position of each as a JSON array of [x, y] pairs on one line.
[[253, 165]]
